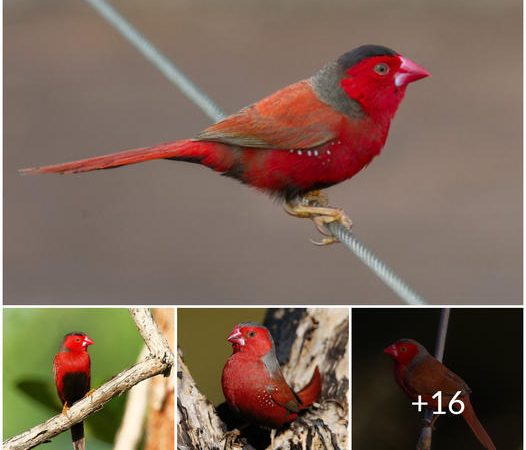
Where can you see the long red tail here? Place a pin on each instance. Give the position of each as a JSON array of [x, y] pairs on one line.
[[218, 157], [311, 392], [474, 423]]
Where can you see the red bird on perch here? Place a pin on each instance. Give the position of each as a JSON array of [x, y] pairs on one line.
[[419, 373], [72, 372], [253, 384], [303, 138]]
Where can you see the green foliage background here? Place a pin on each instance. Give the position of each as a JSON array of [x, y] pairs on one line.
[[31, 338], [201, 334]]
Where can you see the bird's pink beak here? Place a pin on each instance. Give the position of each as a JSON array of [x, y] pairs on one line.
[[408, 72], [391, 351], [87, 341], [236, 337]]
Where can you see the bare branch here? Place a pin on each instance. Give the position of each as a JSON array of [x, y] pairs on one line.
[[156, 363], [426, 434], [153, 338]]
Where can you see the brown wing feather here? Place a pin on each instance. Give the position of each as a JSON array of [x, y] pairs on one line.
[[286, 398], [431, 376], [282, 394], [292, 118]]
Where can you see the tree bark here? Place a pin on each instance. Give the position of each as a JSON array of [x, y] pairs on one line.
[[161, 410]]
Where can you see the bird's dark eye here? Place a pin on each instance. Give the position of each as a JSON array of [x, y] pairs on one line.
[[77, 339], [381, 69], [403, 349], [251, 334]]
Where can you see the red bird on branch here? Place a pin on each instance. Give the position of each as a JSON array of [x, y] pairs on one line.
[[419, 373], [303, 138], [253, 384], [72, 371]]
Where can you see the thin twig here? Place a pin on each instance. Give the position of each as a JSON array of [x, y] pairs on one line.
[[426, 434], [155, 364], [382, 270], [212, 110], [152, 54]]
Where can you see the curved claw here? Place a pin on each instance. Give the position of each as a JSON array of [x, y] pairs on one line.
[[314, 206], [320, 226], [325, 241]]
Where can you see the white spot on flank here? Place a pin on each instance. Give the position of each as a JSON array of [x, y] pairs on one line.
[[299, 152], [316, 153], [328, 152], [309, 153]]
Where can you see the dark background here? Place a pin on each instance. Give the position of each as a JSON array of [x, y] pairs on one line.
[[483, 347], [442, 204]]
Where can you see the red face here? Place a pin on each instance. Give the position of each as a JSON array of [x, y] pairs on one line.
[[250, 338], [402, 351], [77, 342], [378, 83]]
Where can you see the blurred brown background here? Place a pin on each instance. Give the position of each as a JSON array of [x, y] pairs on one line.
[[483, 347], [442, 204]]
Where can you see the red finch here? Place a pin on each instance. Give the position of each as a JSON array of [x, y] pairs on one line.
[[72, 371], [253, 384], [419, 373], [308, 136]]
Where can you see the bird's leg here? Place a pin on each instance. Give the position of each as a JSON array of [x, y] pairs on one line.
[[89, 393], [431, 423], [315, 206], [65, 408], [230, 437], [433, 420]]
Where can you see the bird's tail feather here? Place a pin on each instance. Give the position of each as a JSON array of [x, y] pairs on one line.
[[311, 392], [217, 156], [471, 418], [77, 436]]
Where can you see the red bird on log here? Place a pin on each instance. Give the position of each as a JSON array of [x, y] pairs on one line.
[[72, 372], [303, 138], [253, 384], [419, 373]]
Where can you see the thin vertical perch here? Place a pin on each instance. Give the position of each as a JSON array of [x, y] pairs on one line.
[[426, 435]]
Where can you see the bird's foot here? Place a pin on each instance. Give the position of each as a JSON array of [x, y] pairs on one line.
[[230, 437], [65, 408], [89, 393], [430, 423], [336, 402], [315, 206]]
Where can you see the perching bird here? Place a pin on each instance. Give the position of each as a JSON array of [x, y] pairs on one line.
[[303, 138], [253, 384], [72, 372], [419, 373]]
